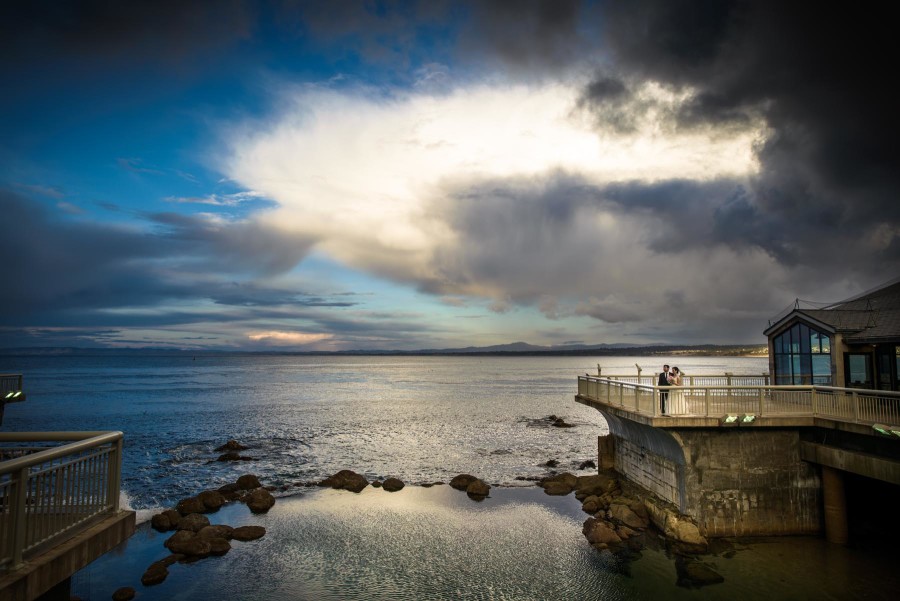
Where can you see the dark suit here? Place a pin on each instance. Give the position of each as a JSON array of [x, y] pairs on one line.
[[663, 394]]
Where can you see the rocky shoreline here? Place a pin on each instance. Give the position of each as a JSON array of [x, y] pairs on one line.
[[622, 518]]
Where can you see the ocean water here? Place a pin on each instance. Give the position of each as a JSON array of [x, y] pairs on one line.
[[422, 419]]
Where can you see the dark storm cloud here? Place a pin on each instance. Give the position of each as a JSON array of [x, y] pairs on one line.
[[817, 78], [65, 266]]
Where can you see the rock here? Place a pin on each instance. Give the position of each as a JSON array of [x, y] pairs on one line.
[[246, 533], [218, 546], [393, 484], [260, 500], [229, 456], [126, 593], [376, 484], [227, 488], [462, 481], [155, 574], [232, 445], [478, 489], [193, 522], [551, 463], [427, 484], [561, 423], [212, 500], [173, 558], [622, 513], [625, 532], [560, 484], [165, 521], [684, 531], [595, 484], [346, 480], [188, 543], [597, 531], [587, 465], [557, 488], [693, 573], [248, 482], [592, 505], [190, 505], [216, 531]]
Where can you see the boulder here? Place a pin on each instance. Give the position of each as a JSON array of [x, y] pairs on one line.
[[566, 478], [622, 513], [188, 543], [247, 482], [246, 533], [561, 423], [231, 445], [346, 480], [393, 484], [190, 505], [165, 521], [193, 522], [557, 488], [592, 505], [156, 573], [126, 593], [462, 481], [595, 484], [218, 546], [478, 489], [259, 500], [169, 560], [376, 484], [686, 532], [216, 531], [212, 500], [551, 463], [229, 456], [584, 465], [227, 488], [597, 531]]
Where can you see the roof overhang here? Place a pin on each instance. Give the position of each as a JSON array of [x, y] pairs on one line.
[[798, 315]]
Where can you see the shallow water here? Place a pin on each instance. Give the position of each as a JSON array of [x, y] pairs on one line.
[[438, 544]]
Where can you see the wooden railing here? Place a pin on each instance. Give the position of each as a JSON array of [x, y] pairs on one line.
[[851, 405], [49, 493]]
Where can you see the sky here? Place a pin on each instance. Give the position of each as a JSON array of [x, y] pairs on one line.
[[339, 175]]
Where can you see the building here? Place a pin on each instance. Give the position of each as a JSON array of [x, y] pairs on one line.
[[853, 343]]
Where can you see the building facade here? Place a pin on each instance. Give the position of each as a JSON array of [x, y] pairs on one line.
[[854, 343]]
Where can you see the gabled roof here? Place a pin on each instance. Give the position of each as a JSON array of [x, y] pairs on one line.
[[868, 317]]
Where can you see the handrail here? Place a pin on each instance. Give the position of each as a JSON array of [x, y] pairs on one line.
[[850, 405], [58, 491]]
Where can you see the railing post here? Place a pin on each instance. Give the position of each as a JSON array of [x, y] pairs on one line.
[[814, 400], [621, 395], [114, 476], [17, 517], [855, 397], [760, 391], [706, 400]]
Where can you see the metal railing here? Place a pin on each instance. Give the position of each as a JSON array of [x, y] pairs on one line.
[[850, 405], [699, 379], [10, 383], [50, 493]]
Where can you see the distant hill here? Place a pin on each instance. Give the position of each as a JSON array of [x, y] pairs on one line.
[[513, 348]]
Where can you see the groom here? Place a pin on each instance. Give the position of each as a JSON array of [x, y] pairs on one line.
[[663, 394]]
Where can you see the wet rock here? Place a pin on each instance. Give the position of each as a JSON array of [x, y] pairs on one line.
[[376, 484], [694, 574], [584, 465], [173, 558], [212, 500], [551, 463], [427, 484], [165, 521], [155, 574], [216, 531], [561, 423], [393, 484], [126, 593], [597, 531], [193, 522], [592, 505], [259, 500], [560, 484], [462, 481], [232, 445], [229, 456], [218, 546], [478, 489], [247, 533], [248, 482], [346, 480], [188, 543], [675, 526], [227, 488], [622, 513], [189, 506]]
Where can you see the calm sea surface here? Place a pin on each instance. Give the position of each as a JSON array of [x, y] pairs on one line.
[[422, 419]]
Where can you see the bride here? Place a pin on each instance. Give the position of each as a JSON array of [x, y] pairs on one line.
[[677, 403]]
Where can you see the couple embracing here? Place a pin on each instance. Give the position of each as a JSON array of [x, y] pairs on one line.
[[675, 402]]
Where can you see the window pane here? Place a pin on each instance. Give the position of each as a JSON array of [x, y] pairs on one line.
[[804, 339], [821, 366], [814, 341], [795, 339], [826, 343], [783, 367], [859, 369], [806, 369], [795, 368]]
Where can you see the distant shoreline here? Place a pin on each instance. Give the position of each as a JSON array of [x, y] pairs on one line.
[[758, 351]]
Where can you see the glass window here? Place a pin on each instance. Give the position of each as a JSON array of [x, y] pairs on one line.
[[803, 356], [858, 370]]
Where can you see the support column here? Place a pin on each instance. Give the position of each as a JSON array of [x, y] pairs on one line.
[[606, 452], [835, 505]]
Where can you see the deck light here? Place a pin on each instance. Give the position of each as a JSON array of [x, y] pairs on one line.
[[882, 429], [730, 419], [748, 418]]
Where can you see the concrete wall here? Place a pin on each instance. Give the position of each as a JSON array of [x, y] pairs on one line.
[[749, 482], [655, 473]]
